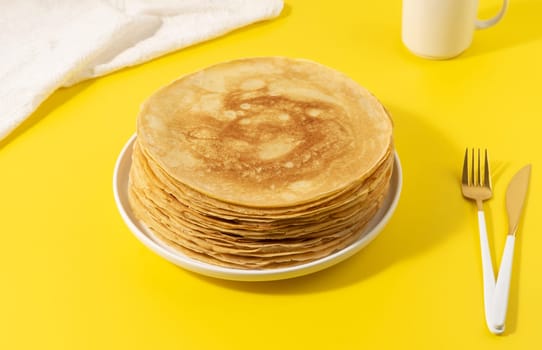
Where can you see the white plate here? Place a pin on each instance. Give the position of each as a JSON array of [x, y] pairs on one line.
[[120, 189]]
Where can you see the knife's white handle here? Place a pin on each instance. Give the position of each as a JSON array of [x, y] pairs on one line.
[[487, 269], [502, 288]]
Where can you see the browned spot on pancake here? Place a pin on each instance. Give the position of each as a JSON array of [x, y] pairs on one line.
[[304, 145]]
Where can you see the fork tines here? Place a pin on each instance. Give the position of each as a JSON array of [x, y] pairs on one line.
[[475, 178]]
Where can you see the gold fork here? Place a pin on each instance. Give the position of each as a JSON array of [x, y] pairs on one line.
[[478, 188]]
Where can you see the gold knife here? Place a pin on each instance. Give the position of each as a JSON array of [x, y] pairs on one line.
[[515, 199]]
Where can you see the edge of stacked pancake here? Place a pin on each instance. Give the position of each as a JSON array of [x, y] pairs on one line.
[[260, 163]]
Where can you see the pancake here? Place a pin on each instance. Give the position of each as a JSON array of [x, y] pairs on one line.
[[265, 132], [260, 163]]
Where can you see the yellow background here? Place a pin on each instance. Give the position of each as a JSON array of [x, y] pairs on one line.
[[73, 276]]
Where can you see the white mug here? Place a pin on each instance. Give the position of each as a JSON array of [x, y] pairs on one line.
[[440, 29]]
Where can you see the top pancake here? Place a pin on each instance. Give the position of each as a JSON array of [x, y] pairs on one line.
[[265, 132]]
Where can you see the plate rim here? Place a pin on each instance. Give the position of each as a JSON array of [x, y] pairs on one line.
[[145, 236]]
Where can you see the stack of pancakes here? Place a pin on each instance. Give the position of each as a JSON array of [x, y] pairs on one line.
[[260, 163]]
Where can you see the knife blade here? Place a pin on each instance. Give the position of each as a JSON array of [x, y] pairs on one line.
[[515, 197], [516, 194]]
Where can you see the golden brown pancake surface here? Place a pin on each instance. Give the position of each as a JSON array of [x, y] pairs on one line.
[[265, 132]]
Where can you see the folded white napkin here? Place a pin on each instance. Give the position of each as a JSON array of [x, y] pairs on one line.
[[46, 44]]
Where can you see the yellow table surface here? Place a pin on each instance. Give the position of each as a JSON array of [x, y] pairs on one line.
[[74, 277]]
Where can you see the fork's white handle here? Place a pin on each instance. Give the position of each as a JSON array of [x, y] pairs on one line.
[[502, 288], [487, 270]]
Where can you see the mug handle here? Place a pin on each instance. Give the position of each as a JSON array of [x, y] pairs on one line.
[[483, 24]]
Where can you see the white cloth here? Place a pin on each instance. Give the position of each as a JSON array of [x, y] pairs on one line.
[[47, 44]]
